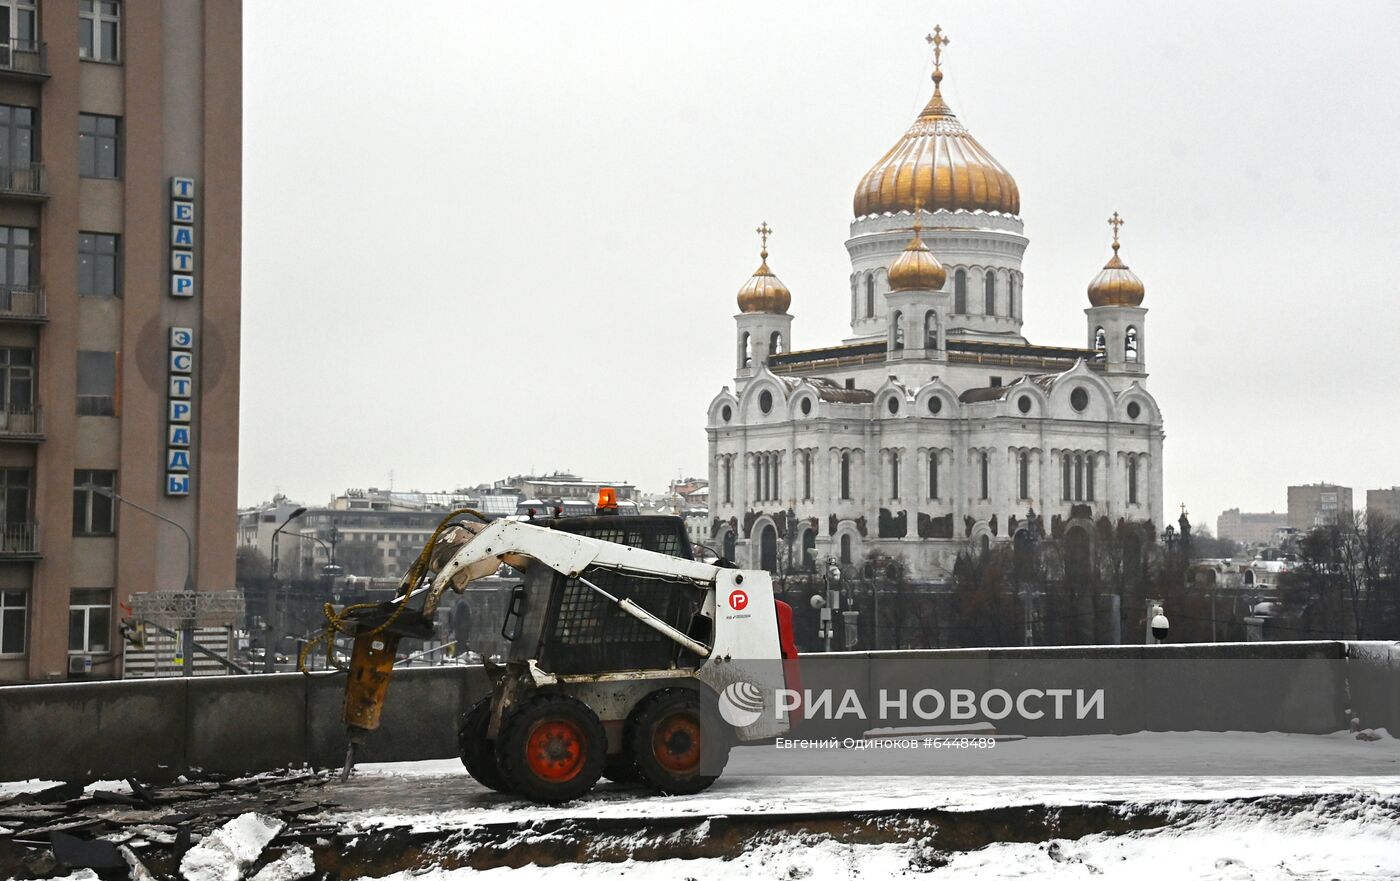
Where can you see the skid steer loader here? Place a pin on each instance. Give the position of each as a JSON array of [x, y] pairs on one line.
[[628, 658]]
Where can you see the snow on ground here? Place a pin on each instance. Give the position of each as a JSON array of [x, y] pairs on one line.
[[1134, 768], [1230, 844], [24, 787]]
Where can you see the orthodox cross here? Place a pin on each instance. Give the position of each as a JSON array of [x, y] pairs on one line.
[[764, 231], [1115, 221], [937, 41]]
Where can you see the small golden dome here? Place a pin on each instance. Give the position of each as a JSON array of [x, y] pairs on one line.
[[916, 269], [1116, 284], [937, 165], [763, 292]]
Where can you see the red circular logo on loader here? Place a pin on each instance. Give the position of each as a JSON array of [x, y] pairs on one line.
[[738, 600]]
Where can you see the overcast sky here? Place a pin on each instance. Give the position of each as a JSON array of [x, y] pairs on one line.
[[482, 239]]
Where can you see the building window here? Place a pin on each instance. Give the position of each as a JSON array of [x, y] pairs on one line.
[[1025, 476], [1066, 484], [930, 330], [16, 136], [89, 621], [99, 153], [20, 20], [1079, 399], [985, 468], [845, 476], [1015, 294], [728, 465], [990, 300], [16, 255], [97, 383], [15, 484], [846, 548], [16, 380], [1130, 345], [13, 613], [1132, 480], [93, 512], [898, 330], [99, 30], [933, 474], [1100, 344], [870, 296], [1078, 478], [1089, 477], [807, 476], [775, 344], [745, 351], [97, 265], [960, 291], [894, 474]]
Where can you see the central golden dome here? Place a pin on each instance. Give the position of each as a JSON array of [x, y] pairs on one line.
[[937, 166]]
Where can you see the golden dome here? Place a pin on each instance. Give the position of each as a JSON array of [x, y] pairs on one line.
[[916, 269], [937, 166], [763, 292], [1116, 284]]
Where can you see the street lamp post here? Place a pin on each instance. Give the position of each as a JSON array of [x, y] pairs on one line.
[[186, 626], [273, 623]]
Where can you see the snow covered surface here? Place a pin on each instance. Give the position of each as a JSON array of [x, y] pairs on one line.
[[1353, 835], [228, 850], [23, 787]]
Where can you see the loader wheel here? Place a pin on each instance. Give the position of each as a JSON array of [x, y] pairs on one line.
[[479, 754], [552, 749], [678, 746]]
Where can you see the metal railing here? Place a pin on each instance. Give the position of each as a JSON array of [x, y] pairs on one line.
[[22, 179], [20, 420], [25, 57], [22, 303], [19, 540]]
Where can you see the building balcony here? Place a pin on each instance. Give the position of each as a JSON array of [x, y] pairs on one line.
[[24, 180], [23, 305], [19, 541], [24, 59], [21, 422]]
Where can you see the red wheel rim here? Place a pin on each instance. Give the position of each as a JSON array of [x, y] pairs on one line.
[[675, 742], [556, 750]]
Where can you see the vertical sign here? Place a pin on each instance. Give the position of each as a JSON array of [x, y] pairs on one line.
[[179, 417], [182, 237], [180, 412]]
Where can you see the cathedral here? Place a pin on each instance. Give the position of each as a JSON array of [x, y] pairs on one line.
[[936, 425]]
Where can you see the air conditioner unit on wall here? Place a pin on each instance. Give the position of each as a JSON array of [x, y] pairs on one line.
[[79, 665]]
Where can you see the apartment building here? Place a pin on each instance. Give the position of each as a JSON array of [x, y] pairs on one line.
[[120, 190]]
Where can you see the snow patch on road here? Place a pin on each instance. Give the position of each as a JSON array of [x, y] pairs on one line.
[[227, 851]]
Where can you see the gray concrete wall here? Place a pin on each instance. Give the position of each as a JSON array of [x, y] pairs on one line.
[[156, 729]]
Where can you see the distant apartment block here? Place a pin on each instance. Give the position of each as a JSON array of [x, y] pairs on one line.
[[1317, 504], [1385, 502], [1249, 529]]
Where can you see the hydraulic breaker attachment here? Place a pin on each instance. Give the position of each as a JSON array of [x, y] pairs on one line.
[[377, 632]]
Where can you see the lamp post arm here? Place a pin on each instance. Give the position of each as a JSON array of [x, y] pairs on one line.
[[189, 541]]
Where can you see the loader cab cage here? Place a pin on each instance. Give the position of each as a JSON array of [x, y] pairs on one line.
[[584, 633]]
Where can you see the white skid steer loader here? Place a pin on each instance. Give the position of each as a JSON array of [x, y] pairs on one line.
[[627, 657]]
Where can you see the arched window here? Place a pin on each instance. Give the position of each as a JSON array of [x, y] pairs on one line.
[[869, 295], [729, 539], [758, 477], [768, 549], [745, 351], [985, 468], [990, 297], [1132, 480], [846, 476], [807, 475], [933, 474], [1089, 477], [1130, 345], [775, 343], [775, 489], [1066, 483], [809, 550], [1025, 475], [1100, 344], [898, 319], [960, 292], [930, 330], [728, 480], [1078, 478], [894, 474], [846, 548], [1014, 289]]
